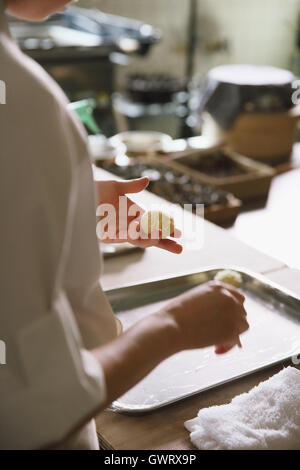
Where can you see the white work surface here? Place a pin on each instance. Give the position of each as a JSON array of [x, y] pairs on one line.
[[164, 429]]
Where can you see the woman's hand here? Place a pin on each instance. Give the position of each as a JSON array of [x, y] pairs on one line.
[[208, 315], [124, 224]]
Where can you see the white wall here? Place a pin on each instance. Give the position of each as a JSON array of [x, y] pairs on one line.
[[257, 31], [169, 16]]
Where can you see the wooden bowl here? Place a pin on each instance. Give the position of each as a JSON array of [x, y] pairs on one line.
[[119, 326], [266, 137]]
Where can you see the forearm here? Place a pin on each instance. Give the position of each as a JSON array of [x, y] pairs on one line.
[[210, 314], [130, 357]]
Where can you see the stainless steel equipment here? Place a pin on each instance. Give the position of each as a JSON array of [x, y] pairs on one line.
[[273, 337], [80, 49]]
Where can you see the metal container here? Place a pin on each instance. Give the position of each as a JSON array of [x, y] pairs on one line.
[[273, 337]]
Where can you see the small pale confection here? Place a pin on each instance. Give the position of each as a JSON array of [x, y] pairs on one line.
[[156, 220], [119, 326], [227, 276]]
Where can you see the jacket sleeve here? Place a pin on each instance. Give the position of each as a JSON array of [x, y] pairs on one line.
[[50, 383]]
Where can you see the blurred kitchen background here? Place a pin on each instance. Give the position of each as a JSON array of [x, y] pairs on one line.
[[142, 76], [226, 31], [184, 40]]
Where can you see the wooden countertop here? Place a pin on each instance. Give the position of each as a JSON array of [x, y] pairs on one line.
[[164, 429]]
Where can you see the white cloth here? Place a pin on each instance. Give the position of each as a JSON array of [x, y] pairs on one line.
[[266, 418], [53, 310]]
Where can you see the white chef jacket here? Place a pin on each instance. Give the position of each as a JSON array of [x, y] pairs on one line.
[[52, 308]]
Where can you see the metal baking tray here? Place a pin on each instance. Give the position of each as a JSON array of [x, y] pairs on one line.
[[273, 337]]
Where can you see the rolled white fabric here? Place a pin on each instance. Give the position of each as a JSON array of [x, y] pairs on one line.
[[266, 418]]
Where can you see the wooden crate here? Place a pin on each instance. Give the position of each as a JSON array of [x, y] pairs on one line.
[[219, 214], [251, 184]]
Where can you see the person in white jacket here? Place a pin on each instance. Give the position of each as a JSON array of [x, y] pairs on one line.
[[64, 363]]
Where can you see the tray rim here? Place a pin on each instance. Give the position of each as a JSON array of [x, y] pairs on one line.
[[259, 276], [138, 410]]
